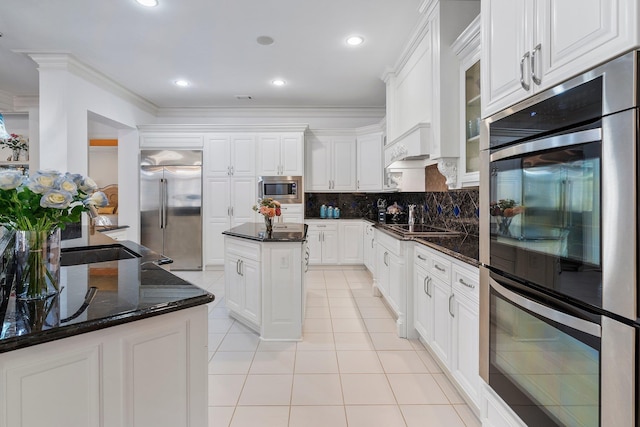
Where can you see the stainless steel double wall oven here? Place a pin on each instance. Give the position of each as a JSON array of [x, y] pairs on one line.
[[559, 295]]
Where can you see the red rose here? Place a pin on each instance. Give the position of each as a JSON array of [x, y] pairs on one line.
[[278, 212]]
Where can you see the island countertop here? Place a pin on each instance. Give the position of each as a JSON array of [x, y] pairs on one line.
[[125, 291], [282, 232]]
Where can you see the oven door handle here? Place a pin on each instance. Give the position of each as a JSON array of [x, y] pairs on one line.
[[559, 141], [581, 325]]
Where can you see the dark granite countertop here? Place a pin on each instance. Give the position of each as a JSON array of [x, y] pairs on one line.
[[464, 247], [127, 290], [283, 232]]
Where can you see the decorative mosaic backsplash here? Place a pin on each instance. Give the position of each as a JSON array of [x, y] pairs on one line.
[[454, 210]]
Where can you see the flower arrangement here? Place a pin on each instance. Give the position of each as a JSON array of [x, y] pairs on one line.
[[15, 142], [46, 200], [267, 207]]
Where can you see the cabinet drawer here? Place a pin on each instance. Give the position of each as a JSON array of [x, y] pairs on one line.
[[326, 226], [294, 208], [440, 268], [466, 282], [421, 258], [241, 248]]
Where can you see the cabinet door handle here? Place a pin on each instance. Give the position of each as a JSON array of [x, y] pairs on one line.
[[372, 242], [241, 268], [524, 85], [228, 210], [321, 226], [386, 255], [228, 170], [320, 237], [425, 285], [232, 170], [537, 80], [231, 210], [437, 267], [462, 282], [238, 267], [451, 297], [358, 184], [422, 258]]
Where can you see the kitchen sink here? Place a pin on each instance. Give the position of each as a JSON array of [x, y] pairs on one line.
[[92, 254], [421, 230]]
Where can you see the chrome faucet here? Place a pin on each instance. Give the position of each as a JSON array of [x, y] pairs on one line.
[[412, 214]]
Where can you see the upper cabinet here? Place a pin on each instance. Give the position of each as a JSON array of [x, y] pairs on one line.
[[230, 155], [331, 162], [281, 154], [531, 45], [369, 165], [467, 47], [424, 86]]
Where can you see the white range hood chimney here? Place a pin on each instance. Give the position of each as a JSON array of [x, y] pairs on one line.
[[413, 145]]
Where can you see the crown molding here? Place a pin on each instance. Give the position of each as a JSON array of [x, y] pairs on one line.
[[272, 112], [332, 132], [66, 61], [469, 39], [204, 128]]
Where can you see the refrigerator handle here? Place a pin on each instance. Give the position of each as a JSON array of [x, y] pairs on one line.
[[161, 203], [165, 203]]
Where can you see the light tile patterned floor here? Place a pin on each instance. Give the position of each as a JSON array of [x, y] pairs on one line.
[[351, 369]]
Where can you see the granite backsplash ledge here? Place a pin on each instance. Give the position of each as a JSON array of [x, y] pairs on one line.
[[454, 210]]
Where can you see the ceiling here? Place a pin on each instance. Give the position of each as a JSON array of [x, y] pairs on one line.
[[212, 44]]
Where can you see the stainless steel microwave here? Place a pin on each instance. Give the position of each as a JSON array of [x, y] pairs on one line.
[[285, 189]]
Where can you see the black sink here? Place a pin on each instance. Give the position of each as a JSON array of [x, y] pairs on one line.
[[92, 254]]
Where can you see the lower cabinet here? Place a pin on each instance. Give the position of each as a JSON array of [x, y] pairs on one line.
[[333, 241], [391, 279], [322, 240], [264, 286], [369, 247], [446, 315], [151, 372], [350, 248], [242, 280], [291, 213]]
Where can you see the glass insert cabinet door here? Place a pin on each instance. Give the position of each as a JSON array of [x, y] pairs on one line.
[[472, 118]]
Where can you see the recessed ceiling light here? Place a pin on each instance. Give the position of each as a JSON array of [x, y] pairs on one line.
[[355, 40], [181, 83], [265, 40], [278, 82], [148, 3]]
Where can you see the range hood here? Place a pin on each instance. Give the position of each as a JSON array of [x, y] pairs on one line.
[[413, 145]]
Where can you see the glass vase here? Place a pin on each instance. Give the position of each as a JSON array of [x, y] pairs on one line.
[[15, 154], [268, 223], [37, 264]]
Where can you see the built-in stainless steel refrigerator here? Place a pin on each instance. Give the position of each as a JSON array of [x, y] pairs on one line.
[[171, 205]]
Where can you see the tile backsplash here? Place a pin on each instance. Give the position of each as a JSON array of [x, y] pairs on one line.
[[454, 210]]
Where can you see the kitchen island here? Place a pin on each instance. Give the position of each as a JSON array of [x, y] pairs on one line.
[[264, 278], [125, 343]]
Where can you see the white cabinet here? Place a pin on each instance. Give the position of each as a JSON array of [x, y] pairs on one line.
[[370, 166], [465, 331], [322, 240], [230, 155], [391, 279], [350, 245], [446, 315], [112, 377], [330, 163], [423, 91], [228, 203], [467, 47], [242, 280], [281, 154], [369, 247], [533, 45], [264, 286], [291, 213]]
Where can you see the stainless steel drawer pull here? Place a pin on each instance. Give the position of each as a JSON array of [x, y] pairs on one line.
[[439, 268], [451, 297], [422, 258], [462, 282]]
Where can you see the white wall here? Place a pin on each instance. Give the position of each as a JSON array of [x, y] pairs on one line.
[[69, 92], [103, 165]]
